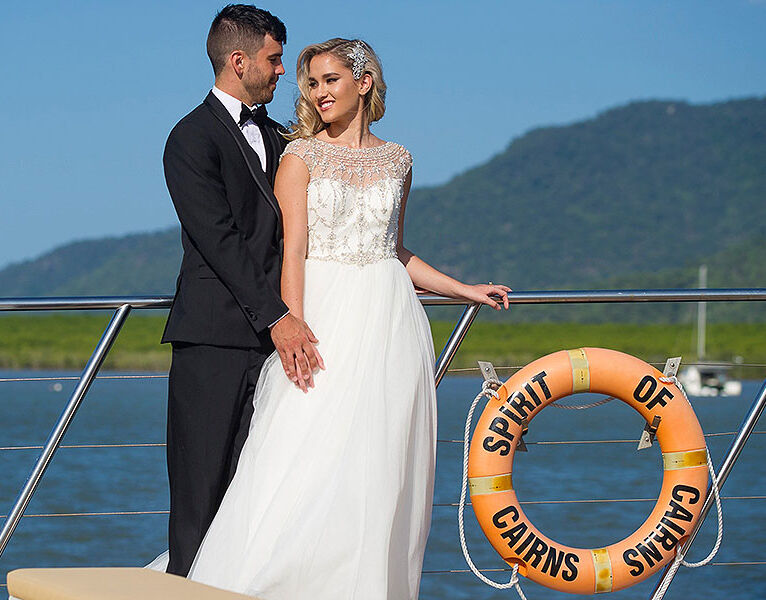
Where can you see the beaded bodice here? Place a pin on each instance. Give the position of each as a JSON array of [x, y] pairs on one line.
[[353, 197]]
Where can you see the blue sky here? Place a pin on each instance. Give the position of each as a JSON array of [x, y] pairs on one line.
[[91, 89]]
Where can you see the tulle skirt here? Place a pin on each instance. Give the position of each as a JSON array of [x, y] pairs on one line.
[[333, 490]]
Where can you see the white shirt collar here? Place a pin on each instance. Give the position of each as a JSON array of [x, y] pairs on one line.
[[230, 103]]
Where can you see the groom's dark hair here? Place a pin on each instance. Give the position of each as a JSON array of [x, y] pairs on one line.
[[241, 27]]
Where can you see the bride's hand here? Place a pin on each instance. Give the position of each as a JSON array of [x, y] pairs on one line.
[[484, 292], [295, 343]]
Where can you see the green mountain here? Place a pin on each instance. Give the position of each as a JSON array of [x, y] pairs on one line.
[[636, 197], [641, 187], [144, 263]]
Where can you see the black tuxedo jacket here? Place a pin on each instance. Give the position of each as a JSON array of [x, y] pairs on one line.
[[227, 293]]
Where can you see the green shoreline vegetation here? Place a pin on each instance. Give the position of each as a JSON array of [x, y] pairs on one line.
[[45, 341]]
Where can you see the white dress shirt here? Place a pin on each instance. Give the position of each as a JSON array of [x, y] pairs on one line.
[[252, 134], [250, 130]]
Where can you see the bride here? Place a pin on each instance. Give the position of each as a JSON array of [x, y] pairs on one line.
[[333, 490]]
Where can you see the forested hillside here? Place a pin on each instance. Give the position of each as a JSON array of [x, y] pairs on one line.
[[638, 188], [135, 264]]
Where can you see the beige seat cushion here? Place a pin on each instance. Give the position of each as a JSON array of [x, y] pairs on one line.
[[109, 584]]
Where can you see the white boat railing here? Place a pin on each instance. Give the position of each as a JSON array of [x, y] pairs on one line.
[[123, 305]]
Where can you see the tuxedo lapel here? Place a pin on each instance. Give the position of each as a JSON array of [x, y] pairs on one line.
[[273, 151], [251, 158]]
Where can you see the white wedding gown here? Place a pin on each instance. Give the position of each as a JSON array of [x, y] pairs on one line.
[[333, 490]]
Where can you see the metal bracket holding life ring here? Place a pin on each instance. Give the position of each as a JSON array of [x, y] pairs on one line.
[[490, 467]]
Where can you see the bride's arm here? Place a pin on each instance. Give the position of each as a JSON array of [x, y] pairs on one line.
[[426, 277], [290, 189], [292, 337]]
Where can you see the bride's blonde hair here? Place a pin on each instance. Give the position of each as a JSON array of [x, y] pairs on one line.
[[308, 121]]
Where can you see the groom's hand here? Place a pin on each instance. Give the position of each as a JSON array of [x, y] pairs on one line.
[[295, 343]]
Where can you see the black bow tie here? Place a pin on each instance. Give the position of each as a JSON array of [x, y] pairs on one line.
[[258, 115]]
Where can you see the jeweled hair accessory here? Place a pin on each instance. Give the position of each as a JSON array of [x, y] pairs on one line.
[[359, 57]]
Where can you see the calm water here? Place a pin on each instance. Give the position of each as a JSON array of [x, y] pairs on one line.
[[134, 479]]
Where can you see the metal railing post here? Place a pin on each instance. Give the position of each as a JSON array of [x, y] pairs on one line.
[[737, 444], [54, 439], [454, 341]]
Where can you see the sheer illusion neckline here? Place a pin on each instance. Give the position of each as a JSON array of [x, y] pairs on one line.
[[342, 148]]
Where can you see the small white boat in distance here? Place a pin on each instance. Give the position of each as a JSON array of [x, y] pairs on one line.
[[709, 380], [706, 379]]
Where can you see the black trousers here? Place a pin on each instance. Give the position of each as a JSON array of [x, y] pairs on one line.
[[210, 392]]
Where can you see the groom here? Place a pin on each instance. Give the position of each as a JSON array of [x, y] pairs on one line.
[[227, 317]]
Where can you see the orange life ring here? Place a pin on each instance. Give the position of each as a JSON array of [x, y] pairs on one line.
[[490, 464]]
